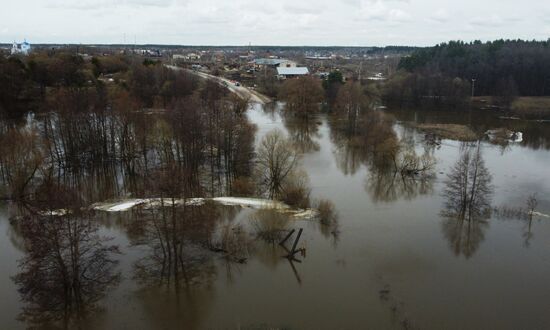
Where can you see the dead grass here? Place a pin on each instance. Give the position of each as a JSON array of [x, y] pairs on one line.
[[449, 131], [532, 107]]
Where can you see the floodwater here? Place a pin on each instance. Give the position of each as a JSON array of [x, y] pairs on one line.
[[394, 264]]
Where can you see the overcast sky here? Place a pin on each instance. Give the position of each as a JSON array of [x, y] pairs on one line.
[[281, 22]]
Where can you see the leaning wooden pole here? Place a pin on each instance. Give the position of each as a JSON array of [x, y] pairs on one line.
[[293, 251], [287, 237]]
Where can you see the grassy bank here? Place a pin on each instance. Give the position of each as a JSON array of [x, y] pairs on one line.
[[532, 107], [525, 107], [449, 131]]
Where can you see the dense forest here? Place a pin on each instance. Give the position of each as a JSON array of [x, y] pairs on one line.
[[443, 74]]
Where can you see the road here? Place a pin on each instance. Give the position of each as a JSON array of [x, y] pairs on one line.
[[244, 92]]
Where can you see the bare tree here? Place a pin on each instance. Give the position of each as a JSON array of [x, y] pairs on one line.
[[468, 186], [276, 159], [302, 95], [21, 157], [468, 191], [532, 203], [351, 102]]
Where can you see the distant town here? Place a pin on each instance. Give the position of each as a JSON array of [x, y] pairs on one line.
[[243, 63]]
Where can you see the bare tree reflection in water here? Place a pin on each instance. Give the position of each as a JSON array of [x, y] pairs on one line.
[[270, 225], [532, 203], [303, 131], [395, 170], [68, 266], [328, 217], [371, 139], [467, 209], [175, 234], [525, 215], [384, 184], [176, 255]]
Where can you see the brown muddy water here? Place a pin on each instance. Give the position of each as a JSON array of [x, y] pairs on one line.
[[396, 263]]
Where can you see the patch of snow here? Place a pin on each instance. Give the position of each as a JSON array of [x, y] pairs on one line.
[[517, 137], [538, 214], [55, 213], [255, 203], [120, 206], [195, 201], [498, 134], [306, 214]]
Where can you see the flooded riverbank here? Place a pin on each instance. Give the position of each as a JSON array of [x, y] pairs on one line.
[[397, 261]]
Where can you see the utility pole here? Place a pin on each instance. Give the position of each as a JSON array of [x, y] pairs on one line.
[[471, 101]]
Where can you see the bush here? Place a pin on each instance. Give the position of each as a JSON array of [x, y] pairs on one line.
[[327, 212], [296, 190]]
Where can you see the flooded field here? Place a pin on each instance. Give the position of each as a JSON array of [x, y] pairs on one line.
[[396, 257]]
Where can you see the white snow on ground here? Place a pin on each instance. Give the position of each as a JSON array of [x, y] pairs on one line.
[[255, 203], [153, 203], [55, 213], [538, 214], [513, 137], [306, 214], [118, 207], [517, 137], [125, 205]]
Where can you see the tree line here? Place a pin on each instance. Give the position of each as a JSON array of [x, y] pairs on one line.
[[444, 73]]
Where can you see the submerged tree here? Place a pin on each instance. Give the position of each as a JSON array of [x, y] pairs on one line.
[[468, 192], [302, 95], [468, 185], [351, 103], [276, 160], [21, 157], [531, 203]]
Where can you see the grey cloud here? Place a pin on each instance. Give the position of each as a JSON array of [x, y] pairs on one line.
[[440, 16], [294, 22], [98, 4], [493, 20]]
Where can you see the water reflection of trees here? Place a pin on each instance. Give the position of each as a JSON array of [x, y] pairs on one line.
[[175, 238], [68, 265], [468, 192], [387, 185], [395, 170], [303, 131]]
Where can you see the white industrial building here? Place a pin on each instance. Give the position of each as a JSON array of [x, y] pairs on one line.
[[291, 72]]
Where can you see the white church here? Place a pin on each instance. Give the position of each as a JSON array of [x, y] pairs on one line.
[[23, 48]]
